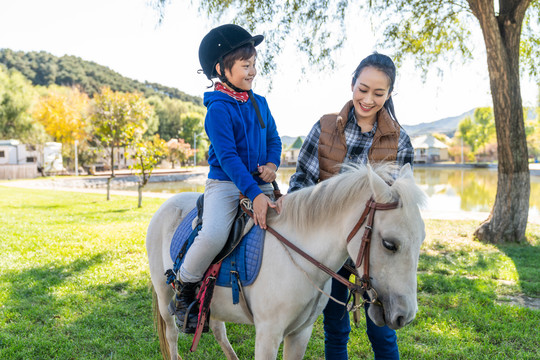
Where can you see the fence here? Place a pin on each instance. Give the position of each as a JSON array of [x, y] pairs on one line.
[[23, 171]]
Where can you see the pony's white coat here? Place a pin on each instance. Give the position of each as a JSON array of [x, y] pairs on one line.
[[317, 219]]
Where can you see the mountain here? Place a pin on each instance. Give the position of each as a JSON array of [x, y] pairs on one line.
[[45, 69], [447, 126]]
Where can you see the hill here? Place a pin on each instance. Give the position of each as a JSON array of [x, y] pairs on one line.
[[45, 69], [447, 126]]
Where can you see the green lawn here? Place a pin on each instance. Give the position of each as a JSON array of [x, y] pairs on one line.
[[74, 284]]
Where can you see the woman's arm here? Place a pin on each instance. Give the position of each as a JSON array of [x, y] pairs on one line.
[[307, 166]]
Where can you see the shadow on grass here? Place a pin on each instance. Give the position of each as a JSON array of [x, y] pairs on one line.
[[525, 259]]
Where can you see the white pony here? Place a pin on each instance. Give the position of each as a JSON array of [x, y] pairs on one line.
[[285, 299]]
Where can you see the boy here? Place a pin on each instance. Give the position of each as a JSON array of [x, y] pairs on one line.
[[243, 139]]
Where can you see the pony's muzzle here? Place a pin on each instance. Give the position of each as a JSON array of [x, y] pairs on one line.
[[401, 312]]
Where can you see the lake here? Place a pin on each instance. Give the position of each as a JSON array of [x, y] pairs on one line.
[[448, 189]]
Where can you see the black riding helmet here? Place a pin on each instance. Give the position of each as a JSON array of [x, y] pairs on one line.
[[219, 42]]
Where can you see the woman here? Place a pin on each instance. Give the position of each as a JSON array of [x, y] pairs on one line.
[[365, 130]]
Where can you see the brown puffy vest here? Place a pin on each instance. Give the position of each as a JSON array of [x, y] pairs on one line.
[[333, 148]]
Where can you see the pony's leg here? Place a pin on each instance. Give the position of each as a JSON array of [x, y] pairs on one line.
[[220, 333], [295, 345], [267, 341], [167, 330]]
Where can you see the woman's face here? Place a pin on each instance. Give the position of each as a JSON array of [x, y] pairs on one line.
[[370, 92], [242, 73]]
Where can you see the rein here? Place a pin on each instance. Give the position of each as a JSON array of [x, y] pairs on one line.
[[369, 213]]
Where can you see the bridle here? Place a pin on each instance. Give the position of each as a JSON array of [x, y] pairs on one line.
[[363, 254]]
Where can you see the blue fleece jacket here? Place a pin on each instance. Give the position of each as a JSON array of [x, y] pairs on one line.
[[238, 144]]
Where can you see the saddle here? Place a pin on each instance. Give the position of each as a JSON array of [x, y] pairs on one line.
[[236, 261]]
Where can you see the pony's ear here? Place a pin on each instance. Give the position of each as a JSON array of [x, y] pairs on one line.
[[406, 171], [378, 186]]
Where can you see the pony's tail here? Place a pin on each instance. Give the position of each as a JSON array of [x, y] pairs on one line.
[[161, 327]]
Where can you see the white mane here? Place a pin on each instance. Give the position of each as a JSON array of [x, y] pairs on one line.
[[322, 203]]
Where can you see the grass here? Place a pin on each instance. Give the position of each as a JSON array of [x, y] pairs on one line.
[[74, 284]]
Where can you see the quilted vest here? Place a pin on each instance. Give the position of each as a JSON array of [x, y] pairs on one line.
[[333, 147]]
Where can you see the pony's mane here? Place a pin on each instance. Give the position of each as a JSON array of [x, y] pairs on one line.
[[322, 203]]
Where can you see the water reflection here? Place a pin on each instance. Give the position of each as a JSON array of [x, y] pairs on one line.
[[447, 189]]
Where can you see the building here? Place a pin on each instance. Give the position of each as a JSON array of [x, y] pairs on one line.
[[290, 154], [12, 152], [427, 149], [17, 161]]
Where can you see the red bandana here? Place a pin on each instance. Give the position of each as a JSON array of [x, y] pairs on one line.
[[240, 96]]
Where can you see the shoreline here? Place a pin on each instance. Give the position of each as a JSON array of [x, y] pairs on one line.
[[95, 184]]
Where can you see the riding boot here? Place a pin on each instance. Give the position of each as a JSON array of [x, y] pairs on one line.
[[185, 307]]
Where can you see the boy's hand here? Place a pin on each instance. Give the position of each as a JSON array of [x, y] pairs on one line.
[[260, 207], [267, 172]]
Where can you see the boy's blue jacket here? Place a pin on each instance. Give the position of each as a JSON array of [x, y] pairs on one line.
[[238, 144]]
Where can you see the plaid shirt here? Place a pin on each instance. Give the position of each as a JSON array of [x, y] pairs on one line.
[[358, 145]]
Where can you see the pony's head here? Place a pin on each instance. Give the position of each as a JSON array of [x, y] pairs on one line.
[[395, 247], [397, 234]]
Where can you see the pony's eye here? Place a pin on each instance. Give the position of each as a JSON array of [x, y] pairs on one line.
[[390, 245]]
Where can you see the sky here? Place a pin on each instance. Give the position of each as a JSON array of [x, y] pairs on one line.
[[125, 36]]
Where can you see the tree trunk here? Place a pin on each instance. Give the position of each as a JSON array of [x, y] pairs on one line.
[[508, 218], [109, 188], [139, 188], [112, 174]]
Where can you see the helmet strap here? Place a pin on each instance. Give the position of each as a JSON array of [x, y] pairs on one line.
[[223, 78]]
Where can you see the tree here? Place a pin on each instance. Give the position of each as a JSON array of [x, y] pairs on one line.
[[44, 69], [430, 31], [465, 131], [117, 119], [532, 129], [177, 118], [16, 97], [485, 126], [147, 154], [477, 132], [179, 151], [64, 114]]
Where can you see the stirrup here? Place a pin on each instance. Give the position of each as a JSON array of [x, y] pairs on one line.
[[187, 323]]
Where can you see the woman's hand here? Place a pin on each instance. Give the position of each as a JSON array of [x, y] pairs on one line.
[[267, 172], [260, 207]]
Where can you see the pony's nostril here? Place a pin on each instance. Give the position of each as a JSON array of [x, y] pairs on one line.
[[400, 321]]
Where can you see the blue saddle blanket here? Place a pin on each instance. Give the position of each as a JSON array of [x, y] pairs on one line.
[[245, 258]]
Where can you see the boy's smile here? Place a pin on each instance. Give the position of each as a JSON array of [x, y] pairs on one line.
[[242, 73]]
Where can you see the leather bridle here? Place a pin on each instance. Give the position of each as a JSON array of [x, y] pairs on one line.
[[363, 254]]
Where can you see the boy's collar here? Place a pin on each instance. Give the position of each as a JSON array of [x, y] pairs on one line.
[[239, 96]]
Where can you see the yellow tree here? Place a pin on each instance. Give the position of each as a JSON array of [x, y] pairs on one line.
[[117, 119], [63, 112]]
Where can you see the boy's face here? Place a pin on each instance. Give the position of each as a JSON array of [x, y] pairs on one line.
[[242, 73]]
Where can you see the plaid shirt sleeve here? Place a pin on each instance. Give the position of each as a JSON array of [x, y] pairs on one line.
[[307, 166], [405, 153]]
